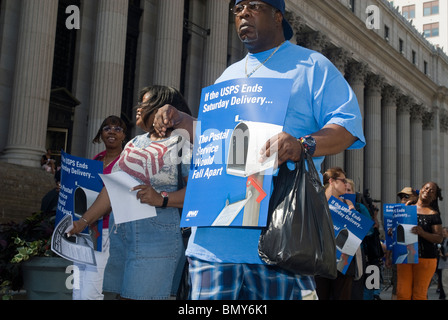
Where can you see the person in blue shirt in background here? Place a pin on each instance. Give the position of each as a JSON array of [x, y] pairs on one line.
[[323, 117]]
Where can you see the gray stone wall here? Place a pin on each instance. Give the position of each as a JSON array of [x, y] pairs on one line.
[[21, 191]]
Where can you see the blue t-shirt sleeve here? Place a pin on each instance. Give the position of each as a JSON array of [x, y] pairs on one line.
[[335, 102]]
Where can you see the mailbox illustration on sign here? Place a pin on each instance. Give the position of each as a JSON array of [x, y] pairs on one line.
[[83, 199], [246, 141], [406, 239], [411, 255], [347, 242], [404, 234]]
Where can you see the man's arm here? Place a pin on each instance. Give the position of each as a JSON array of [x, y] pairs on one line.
[[331, 139], [168, 117]]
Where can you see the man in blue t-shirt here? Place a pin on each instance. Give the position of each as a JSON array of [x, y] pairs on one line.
[[323, 117]]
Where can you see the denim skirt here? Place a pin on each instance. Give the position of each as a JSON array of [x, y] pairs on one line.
[[144, 256]]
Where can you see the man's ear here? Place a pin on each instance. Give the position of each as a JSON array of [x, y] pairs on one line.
[[279, 17]]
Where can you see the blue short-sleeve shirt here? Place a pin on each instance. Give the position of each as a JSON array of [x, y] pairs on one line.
[[320, 96]]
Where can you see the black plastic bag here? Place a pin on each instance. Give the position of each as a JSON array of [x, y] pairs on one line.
[[299, 236]]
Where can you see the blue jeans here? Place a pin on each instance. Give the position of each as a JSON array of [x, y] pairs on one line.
[[144, 256]]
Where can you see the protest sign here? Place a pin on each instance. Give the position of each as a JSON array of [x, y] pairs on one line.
[[405, 249], [227, 184], [349, 196], [80, 185], [350, 228], [388, 213], [76, 248]]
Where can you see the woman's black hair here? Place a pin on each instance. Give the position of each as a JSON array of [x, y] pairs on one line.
[[160, 96]]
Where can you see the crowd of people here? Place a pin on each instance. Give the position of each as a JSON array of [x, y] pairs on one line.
[[145, 259], [410, 281]]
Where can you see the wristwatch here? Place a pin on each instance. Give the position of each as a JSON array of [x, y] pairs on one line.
[[164, 195], [309, 144]]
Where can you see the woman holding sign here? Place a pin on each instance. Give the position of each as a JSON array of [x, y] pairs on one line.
[[340, 288], [413, 280], [112, 134], [145, 253]]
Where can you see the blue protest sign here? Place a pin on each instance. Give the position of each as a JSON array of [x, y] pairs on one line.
[[350, 228], [80, 185], [405, 249], [349, 196], [399, 219], [388, 213], [227, 184]]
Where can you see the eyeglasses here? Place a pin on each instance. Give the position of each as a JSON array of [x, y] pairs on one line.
[[253, 6], [115, 129], [405, 196], [344, 181]]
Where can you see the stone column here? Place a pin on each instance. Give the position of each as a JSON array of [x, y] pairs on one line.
[[354, 159], [145, 64], [372, 151], [416, 146], [32, 83], [195, 59], [215, 58], [8, 35], [389, 145], [108, 67], [444, 162], [168, 58], [431, 136], [435, 145], [146, 46], [314, 40], [339, 58], [404, 143], [85, 40], [298, 25], [427, 134]]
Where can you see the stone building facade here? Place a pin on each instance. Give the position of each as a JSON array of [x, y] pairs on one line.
[[57, 84]]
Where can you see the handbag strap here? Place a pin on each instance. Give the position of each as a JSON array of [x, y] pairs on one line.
[[180, 180]]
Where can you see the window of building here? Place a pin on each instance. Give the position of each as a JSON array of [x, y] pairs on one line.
[[401, 46], [414, 57], [352, 5], [64, 50], [431, 30], [431, 8], [130, 63], [386, 33], [408, 11], [425, 67]]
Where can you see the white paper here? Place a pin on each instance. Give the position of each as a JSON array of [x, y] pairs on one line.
[[125, 205], [77, 248]]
